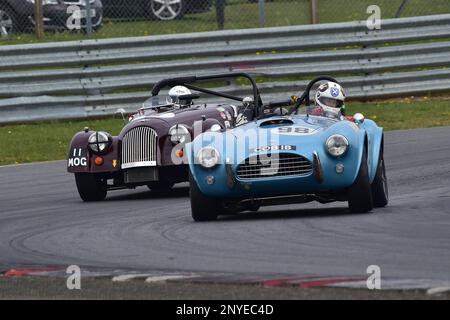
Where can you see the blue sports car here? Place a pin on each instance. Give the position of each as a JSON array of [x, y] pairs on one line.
[[288, 154]]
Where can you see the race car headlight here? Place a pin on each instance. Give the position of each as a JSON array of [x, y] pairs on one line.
[[99, 141], [337, 145], [208, 157], [179, 134]]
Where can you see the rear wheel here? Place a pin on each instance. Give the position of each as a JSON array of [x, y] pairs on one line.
[[91, 187], [360, 193], [380, 193], [203, 208]]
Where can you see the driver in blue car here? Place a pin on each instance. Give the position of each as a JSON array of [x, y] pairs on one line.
[[329, 101]]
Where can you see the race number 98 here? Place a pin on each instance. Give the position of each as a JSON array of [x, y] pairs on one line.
[[293, 130]]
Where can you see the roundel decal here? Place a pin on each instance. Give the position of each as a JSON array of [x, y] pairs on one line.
[[334, 92]]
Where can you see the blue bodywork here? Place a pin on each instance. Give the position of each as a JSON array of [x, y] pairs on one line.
[[235, 146]]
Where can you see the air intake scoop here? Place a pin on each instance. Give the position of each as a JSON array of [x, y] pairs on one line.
[[276, 122]]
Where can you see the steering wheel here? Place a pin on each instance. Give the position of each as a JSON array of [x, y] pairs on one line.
[[305, 95]]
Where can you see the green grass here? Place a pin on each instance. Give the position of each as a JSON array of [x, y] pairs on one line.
[[44, 141], [405, 113], [50, 140], [242, 14]]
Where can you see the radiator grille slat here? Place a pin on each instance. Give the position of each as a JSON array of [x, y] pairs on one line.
[[284, 164], [139, 148]]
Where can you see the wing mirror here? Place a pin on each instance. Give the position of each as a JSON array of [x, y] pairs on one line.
[[358, 118]]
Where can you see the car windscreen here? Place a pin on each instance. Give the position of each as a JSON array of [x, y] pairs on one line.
[[315, 110], [155, 104]]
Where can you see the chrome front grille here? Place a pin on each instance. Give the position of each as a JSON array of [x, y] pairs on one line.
[[139, 146], [284, 164]]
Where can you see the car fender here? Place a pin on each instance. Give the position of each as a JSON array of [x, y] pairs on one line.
[[357, 139], [21, 8], [207, 124], [189, 149], [375, 137], [208, 139], [81, 159]]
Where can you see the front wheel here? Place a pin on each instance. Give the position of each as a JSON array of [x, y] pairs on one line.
[[380, 192], [253, 207], [90, 187], [360, 193], [203, 208]]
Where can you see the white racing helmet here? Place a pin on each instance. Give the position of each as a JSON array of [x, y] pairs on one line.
[[330, 96], [175, 93]]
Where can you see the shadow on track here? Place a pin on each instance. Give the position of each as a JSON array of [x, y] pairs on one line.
[[290, 214], [180, 192]]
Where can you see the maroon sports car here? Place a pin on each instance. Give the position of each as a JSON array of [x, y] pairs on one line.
[[149, 149]]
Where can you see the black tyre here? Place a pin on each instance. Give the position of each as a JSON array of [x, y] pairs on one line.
[[253, 207], [91, 187], [380, 192], [9, 22], [224, 211], [360, 193], [161, 10], [203, 208]]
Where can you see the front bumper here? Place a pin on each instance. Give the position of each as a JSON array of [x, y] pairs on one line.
[[323, 178]]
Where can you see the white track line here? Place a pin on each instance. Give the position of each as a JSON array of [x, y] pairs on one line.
[[168, 277], [438, 290], [151, 278], [127, 277]]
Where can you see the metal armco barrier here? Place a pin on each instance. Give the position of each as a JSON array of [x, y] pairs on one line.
[[86, 78]]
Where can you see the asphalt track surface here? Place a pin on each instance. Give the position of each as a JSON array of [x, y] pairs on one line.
[[44, 223]]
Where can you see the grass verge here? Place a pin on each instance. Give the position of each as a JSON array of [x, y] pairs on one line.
[[45, 141], [48, 288]]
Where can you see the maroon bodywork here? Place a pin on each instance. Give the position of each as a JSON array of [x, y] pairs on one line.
[[143, 153], [208, 115]]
